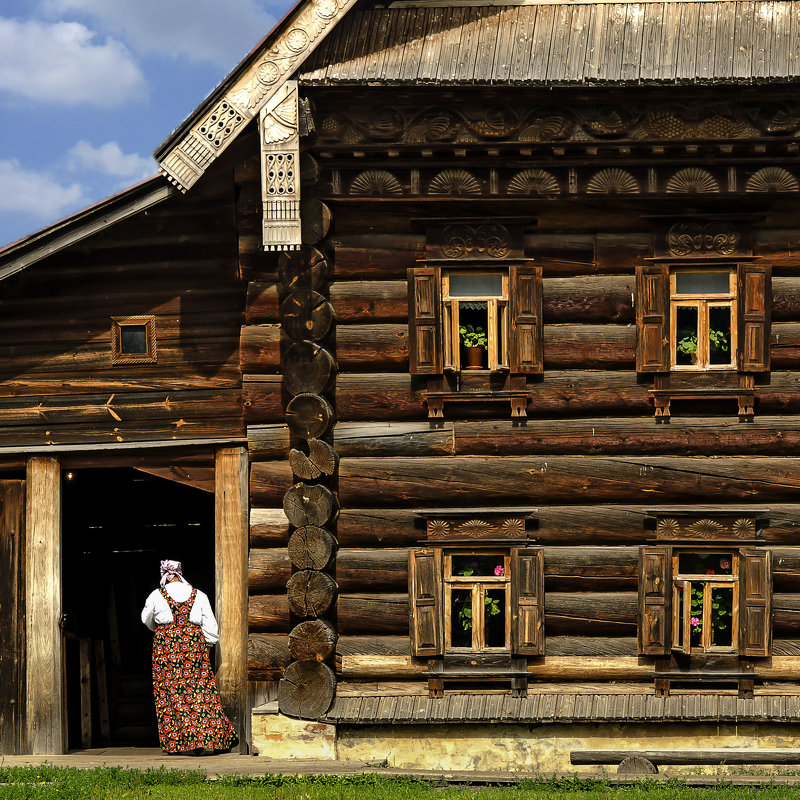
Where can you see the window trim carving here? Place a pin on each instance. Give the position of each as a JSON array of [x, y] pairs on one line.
[[149, 324]]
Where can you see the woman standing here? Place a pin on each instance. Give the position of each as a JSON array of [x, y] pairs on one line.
[[188, 708]]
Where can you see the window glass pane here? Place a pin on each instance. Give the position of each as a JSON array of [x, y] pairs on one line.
[[133, 339], [704, 283], [494, 617], [719, 334], [705, 563], [479, 566], [696, 613], [466, 285], [461, 618], [678, 632], [686, 336], [722, 616]]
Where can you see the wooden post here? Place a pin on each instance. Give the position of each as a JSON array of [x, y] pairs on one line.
[[45, 668], [231, 536]]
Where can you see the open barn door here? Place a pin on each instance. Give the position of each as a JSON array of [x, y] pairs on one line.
[[12, 617]]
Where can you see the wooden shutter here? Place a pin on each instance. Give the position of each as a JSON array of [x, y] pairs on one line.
[[755, 307], [655, 594], [755, 602], [425, 602], [525, 290], [527, 601], [424, 315], [652, 318]]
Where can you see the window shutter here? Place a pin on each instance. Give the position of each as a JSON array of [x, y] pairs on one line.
[[425, 602], [424, 314], [755, 602], [755, 306], [525, 290], [527, 601], [655, 594], [652, 318]]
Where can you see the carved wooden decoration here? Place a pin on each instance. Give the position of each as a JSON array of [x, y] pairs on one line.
[[477, 241], [705, 528], [280, 163], [698, 239], [479, 528], [185, 162]]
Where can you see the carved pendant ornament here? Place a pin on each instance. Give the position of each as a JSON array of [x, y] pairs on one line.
[[697, 239], [280, 161], [185, 162]]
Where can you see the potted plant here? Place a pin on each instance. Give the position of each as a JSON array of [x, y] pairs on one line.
[[718, 340], [474, 340]]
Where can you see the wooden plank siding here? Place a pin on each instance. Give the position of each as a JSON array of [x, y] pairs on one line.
[[575, 43]]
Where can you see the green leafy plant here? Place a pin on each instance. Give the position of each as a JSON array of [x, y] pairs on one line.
[[473, 336], [717, 339]]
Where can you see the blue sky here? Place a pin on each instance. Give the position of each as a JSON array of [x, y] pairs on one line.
[[89, 88]]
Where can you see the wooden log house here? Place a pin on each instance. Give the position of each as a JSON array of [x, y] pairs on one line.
[[586, 529]]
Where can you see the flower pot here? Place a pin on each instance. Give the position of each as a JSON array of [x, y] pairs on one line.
[[475, 357]]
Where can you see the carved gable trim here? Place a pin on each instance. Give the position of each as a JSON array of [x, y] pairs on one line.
[[216, 124]]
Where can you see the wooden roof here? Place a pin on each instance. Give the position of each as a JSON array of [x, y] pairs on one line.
[[465, 708], [556, 43]]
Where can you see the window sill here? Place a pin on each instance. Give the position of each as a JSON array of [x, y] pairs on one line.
[[518, 398]]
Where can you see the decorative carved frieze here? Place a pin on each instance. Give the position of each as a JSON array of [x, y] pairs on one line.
[[280, 162], [472, 240], [479, 528], [467, 122], [698, 239], [249, 93], [705, 528]]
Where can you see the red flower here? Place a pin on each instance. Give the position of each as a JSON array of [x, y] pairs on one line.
[[710, 572]]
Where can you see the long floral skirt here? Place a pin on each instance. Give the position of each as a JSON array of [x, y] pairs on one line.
[[188, 708]]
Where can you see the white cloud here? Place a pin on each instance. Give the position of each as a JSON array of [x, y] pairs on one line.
[[61, 63], [110, 160], [200, 30], [35, 193]]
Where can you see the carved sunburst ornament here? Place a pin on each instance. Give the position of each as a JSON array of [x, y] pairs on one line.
[[772, 179], [438, 528], [533, 182], [668, 527], [705, 529], [326, 8], [612, 181], [376, 183], [268, 73], [513, 527], [744, 528], [475, 527], [692, 180], [297, 40], [455, 182]]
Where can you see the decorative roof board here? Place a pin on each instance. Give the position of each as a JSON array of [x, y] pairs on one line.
[[565, 708], [186, 155], [563, 44]]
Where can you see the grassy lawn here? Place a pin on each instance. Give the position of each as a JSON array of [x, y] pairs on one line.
[[18, 783]]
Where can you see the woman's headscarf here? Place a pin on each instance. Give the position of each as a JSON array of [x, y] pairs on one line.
[[170, 570]]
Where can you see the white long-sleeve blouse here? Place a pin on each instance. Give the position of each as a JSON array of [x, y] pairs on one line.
[[156, 610]]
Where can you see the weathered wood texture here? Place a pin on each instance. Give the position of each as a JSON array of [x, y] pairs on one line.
[[231, 535], [12, 617], [558, 479], [46, 726], [388, 396], [177, 263]]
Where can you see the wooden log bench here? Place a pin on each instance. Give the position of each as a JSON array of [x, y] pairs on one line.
[[647, 761]]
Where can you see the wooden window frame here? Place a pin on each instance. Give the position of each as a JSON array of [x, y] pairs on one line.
[[684, 581], [149, 357], [497, 323], [477, 585], [703, 303]]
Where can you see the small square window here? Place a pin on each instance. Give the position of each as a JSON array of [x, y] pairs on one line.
[[133, 340]]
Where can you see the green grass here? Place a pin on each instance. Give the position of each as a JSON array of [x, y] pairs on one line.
[[110, 783]]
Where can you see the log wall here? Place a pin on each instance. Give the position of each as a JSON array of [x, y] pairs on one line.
[[590, 456]]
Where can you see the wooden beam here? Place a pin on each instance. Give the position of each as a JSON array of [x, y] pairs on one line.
[[197, 477], [231, 538], [45, 668]]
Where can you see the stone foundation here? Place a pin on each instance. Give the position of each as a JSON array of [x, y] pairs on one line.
[[277, 736]]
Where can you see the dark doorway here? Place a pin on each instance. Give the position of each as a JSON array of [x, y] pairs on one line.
[[117, 526]]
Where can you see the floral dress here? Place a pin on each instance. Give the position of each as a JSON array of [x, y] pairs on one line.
[[188, 707]]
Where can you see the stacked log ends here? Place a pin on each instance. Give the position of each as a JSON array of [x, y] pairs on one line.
[[308, 684]]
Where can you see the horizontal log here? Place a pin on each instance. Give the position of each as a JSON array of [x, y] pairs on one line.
[[372, 614], [599, 298], [487, 480], [263, 303], [376, 256], [269, 613], [269, 527], [268, 570], [687, 756], [370, 301], [589, 346], [267, 655], [393, 438], [269, 483], [378, 528]]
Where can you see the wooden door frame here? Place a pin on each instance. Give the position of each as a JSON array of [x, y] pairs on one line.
[[45, 705]]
